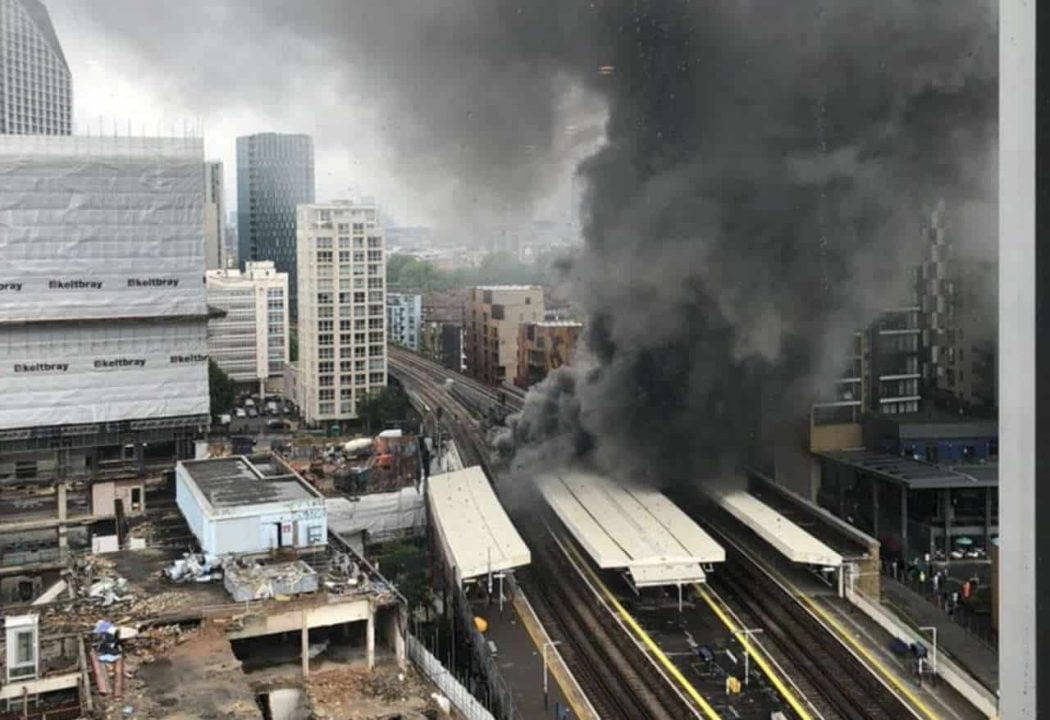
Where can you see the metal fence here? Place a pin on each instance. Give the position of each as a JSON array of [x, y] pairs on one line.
[[494, 689], [458, 695]]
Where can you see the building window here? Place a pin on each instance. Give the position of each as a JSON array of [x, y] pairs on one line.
[[313, 534]]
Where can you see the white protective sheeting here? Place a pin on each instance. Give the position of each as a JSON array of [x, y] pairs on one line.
[[96, 227], [786, 537], [475, 532], [380, 515], [59, 374], [631, 527]]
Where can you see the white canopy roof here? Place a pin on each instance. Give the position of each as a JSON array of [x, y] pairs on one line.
[[475, 532], [785, 536], [630, 526]]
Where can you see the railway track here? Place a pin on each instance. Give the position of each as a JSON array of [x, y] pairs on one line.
[[619, 680], [845, 687]]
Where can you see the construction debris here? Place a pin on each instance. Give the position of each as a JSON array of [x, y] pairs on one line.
[[259, 582], [195, 567], [358, 694]]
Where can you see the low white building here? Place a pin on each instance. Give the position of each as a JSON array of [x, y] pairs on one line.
[[251, 342], [404, 319], [242, 505]]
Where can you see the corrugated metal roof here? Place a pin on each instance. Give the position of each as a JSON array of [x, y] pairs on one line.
[[475, 531], [631, 527], [916, 474], [788, 538]]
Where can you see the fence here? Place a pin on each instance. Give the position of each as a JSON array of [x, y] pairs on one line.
[[458, 695], [500, 698]]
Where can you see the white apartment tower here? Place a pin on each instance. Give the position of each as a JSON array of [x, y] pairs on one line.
[[250, 343], [214, 217], [36, 87], [341, 261]]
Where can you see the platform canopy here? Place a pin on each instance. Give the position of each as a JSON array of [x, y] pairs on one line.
[[476, 535], [633, 527], [786, 537]]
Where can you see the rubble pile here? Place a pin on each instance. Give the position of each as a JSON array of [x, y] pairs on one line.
[[357, 694], [195, 567]]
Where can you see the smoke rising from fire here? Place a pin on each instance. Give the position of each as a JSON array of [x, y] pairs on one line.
[[759, 193]]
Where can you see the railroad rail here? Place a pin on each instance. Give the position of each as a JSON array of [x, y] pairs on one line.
[[618, 677], [844, 686]]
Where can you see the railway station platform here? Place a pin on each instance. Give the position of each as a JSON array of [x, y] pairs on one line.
[[520, 661], [975, 656]]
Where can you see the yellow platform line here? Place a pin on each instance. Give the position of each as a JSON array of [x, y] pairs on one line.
[[759, 658], [871, 659], [642, 635], [581, 708]]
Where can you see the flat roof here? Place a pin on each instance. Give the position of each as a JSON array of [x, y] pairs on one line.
[[634, 527], [786, 537], [475, 531], [237, 481], [916, 474]]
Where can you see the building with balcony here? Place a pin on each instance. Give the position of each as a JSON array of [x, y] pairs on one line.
[[250, 342], [492, 315], [545, 346], [404, 319], [342, 321]]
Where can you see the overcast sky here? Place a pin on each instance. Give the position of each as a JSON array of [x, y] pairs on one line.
[[159, 67]]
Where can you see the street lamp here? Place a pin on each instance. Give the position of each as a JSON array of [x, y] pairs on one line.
[[933, 631], [545, 644], [747, 633]]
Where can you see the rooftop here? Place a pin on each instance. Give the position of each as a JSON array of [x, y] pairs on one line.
[[559, 323], [632, 527], [916, 474], [508, 287], [934, 424], [474, 529], [239, 481]]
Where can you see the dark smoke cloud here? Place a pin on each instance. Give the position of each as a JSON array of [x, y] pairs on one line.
[[766, 170]]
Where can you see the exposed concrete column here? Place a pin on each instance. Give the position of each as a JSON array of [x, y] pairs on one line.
[[305, 646], [370, 637], [60, 495], [400, 622], [904, 523]]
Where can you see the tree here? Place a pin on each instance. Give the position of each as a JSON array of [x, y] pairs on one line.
[[220, 387], [383, 407]]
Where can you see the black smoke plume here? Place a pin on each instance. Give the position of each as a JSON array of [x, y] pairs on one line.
[[759, 192]]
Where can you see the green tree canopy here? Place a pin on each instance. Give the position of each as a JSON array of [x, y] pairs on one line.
[[221, 388]]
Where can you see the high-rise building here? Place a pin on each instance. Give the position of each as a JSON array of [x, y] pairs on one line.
[[342, 316], [957, 294], [895, 348], [103, 321], [250, 343], [275, 174], [214, 217], [404, 319], [36, 87], [493, 314]]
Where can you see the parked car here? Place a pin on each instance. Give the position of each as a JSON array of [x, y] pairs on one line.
[[224, 419], [277, 425], [239, 412], [249, 403], [252, 412]]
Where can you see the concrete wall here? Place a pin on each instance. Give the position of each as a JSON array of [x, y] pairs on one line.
[[105, 493]]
